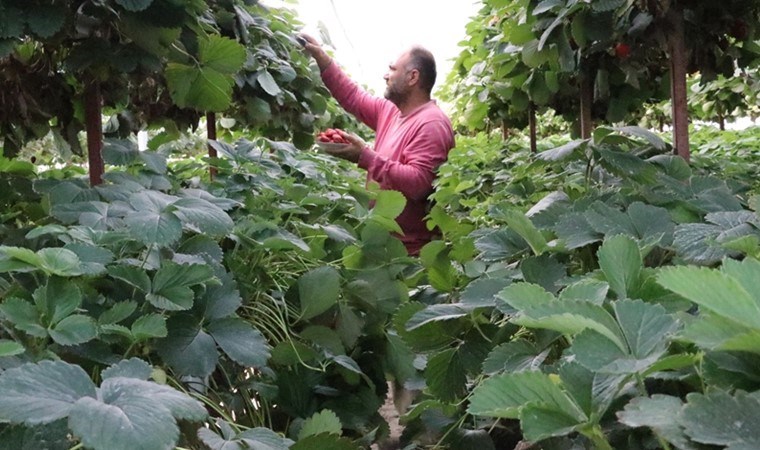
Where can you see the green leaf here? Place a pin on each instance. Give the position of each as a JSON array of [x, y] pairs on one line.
[[324, 441], [504, 395], [445, 375], [10, 348], [134, 5], [388, 204], [131, 413], [720, 419], [93, 259], [540, 422], [128, 368], [318, 291], [153, 227], [435, 313], [562, 152], [253, 438], [187, 348], [59, 261], [46, 20], [589, 290], [441, 273], [621, 262], [120, 152], [572, 317], [207, 217], [57, 299], [42, 393], [522, 225], [240, 341], [132, 275], [149, 326], [23, 315], [153, 39], [658, 412], [710, 289], [606, 5], [221, 54], [650, 137], [219, 301], [74, 330], [521, 296], [267, 82], [171, 285], [515, 356], [324, 421], [204, 89], [11, 22]]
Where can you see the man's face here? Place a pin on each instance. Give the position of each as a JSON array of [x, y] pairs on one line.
[[397, 86]]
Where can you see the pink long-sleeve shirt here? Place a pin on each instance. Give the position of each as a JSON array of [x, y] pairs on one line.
[[408, 149]]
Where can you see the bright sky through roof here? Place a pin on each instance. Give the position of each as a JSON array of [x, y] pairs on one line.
[[368, 35]]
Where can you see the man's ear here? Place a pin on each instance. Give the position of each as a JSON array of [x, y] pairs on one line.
[[414, 77]]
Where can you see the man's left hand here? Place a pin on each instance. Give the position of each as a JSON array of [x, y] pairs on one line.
[[352, 151]]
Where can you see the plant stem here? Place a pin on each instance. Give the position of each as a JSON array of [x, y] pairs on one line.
[[596, 435]]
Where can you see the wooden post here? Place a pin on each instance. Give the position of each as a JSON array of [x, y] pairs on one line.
[[504, 130], [532, 126], [678, 62], [94, 128], [211, 134]]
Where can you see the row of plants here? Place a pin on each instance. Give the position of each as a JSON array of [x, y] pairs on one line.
[[268, 307]]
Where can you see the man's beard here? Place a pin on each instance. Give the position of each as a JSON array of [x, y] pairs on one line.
[[395, 95]]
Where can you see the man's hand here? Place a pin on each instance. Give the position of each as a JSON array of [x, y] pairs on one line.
[[352, 151], [313, 48]]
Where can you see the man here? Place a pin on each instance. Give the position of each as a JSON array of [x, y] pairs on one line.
[[413, 135]]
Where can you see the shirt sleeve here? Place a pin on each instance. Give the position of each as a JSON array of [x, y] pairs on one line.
[[363, 105], [412, 175]]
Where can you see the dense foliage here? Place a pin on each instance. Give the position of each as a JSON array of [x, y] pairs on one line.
[[596, 293]]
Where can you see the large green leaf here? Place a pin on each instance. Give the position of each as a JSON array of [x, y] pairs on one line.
[[267, 82], [221, 54], [540, 422], [73, 330], [42, 393], [572, 317], [171, 285], [324, 441], [188, 349], [23, 315], [240, 341], [515, 356], [522, 225], [219, 301], [647, 330], [253, 438], [721, 419], [710, 289], [388, 204], [324, 421], [134, 5], [441, 274], [154, 227], [504, 395], [130, 413], [445, 375], [658, 412], [205, 216], [713, 332], [57, 299], [521, 296], [149, 326], [621, 262], [46, 20], [318, 291], [10, 348], [204, 88]]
